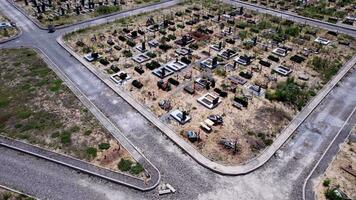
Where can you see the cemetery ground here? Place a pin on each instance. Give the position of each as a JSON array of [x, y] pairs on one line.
[[7, 29], [59, 12], [331, 11], [36, 107], [226, 79], [9, 195], [340, 175]]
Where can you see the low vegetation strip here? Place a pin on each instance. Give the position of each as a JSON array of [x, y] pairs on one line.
[[36, 107]]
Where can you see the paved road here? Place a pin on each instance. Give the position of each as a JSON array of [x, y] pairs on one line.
[[281, 178], [328, 157], [294, 17]]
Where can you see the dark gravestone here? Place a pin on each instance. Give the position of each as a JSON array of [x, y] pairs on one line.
[[143, 46], [26, 2], [215, 62], [43, 7], [62, 11], [82, 2], [38, 9], [77, 10]]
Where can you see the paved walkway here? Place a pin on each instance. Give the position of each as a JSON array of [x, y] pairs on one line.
[[195, 154]]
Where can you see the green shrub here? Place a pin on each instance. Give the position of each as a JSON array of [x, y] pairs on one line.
[[136, 169], [24, 114], [124, 165], [289, 92], [326, 182], [91, 152], [103, 146], [65, 137]]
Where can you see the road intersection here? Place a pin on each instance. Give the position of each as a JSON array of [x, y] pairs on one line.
[[282, 177]]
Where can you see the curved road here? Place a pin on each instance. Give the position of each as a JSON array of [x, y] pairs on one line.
[[281, 177]]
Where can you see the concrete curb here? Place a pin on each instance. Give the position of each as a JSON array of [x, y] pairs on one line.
[[295, 15], [326, 151], [149, 167], [41, 26], [18, 192], [247, 167]]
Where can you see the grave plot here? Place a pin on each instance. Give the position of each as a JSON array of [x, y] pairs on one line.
[[7, 28], [336, 11], [64, 12], [37, 108], [226, 79]]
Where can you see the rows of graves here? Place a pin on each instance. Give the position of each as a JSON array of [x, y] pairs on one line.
[[195, 70]]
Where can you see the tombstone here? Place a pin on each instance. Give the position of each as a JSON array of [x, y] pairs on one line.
[[77, 10], [216, 101], [68, 8], [220, 45], [228, 54], [38, 9], [215, 61], [218, 18], [235, 63], [62, 11], [143, 47], [230, 29], [115, 2], [212, 83], [26, 2], [50, 3], [82, 2], [100, 3], [34, 3], [254, 41], [165, 23], [163, 72], [184, 116], [43, 7], [241, 10]]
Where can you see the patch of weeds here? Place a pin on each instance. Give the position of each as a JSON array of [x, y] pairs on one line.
[[91, 152], [55, 85], [125, 165], [65, 137], [136, 169], [24, 114], [104, 146]]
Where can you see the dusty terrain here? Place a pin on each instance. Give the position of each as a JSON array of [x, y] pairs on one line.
[[253, 127], [36, 107], [57, 13]]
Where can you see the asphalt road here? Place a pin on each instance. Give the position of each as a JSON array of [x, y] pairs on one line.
[[281, 177]]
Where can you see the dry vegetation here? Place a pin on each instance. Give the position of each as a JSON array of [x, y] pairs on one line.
[[36, 107], [9, 195], [254, 127]]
